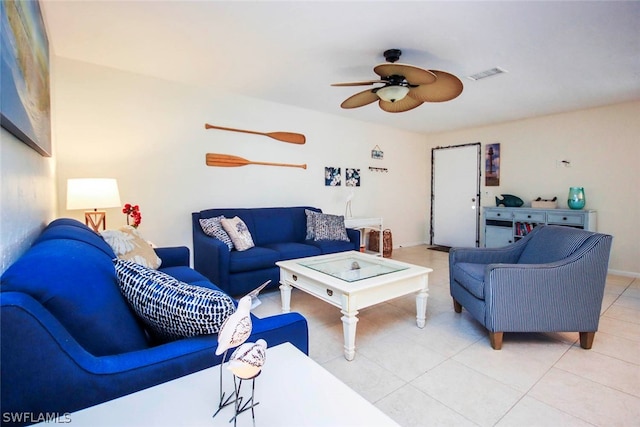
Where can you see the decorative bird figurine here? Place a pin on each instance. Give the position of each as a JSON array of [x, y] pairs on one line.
[[248, 359], [236, 328], [234, 331]]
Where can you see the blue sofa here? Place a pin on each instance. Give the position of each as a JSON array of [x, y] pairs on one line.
[[70, 339], [278, 233]]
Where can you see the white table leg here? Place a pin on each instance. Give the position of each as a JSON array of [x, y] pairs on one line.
[[421, 305], [349, 321], [285, 297]]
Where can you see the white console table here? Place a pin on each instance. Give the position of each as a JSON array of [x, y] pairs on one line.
[[366, 223]]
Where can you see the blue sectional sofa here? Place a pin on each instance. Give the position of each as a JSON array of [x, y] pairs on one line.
[[279, 233], [70, 339]]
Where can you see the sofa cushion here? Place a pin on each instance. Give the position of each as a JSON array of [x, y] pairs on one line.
[[77, 283], [471, 277], [213, 227], [331, 246], [128, 244], [255, 258], [330, 227], [311, 224], [238, 232], [172, 309], [294, 250], [552, 243]]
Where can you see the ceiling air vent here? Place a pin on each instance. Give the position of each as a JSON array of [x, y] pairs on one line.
[[487, 73]]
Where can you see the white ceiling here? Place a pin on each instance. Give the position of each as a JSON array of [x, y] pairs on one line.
[[560, 56]]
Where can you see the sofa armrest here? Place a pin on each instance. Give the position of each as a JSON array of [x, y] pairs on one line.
[[176, 256], [565, 295], [211, 258], [354, 238]]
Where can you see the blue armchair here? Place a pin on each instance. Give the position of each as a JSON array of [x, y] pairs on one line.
[[552, 280]]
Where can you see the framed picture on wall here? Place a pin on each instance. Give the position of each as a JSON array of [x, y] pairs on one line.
[[332, 176], [352, 177], [25, 106], [492, 165]]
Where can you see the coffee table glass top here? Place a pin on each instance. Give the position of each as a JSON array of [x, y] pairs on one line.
[[352, 269]]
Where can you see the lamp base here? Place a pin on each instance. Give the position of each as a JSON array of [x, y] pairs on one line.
[[95, 219]]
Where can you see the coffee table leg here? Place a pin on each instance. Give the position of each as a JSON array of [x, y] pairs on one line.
[[285, 297], [421, 306], [349, 321]]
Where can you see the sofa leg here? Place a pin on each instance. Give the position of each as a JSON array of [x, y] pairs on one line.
[[586, 339], [457, 307], [496, 340]]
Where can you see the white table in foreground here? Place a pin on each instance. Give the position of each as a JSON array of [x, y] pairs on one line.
[[351, 293], [292, 391]]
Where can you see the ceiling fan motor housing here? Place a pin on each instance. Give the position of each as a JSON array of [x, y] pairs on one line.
[[392, 55]]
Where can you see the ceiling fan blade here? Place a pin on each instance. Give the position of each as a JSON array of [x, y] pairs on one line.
[[446, 88], [366, 83], [414, 75], [360, 99], [405, 104]]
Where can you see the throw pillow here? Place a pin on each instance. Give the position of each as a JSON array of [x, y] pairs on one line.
[[213, 227], [311, 223], [170, 308], [239, 233], [128, 244], [330, 227]]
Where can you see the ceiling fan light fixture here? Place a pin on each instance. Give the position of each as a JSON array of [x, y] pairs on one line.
[[392, 93]]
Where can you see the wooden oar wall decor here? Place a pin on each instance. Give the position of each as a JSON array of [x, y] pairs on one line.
[[290, 137], [227, 160]]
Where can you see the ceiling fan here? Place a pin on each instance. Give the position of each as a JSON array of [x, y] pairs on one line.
[[404, 87]]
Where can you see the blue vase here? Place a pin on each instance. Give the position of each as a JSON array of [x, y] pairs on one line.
[[576, 199]]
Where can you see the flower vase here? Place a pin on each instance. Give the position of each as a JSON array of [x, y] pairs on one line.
[[576, 199]]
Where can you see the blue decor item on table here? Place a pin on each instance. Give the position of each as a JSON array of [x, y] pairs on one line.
[[576, 199], [509, 201]]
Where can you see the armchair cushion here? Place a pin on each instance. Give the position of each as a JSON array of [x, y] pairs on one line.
[[471, 276], [552, 245]]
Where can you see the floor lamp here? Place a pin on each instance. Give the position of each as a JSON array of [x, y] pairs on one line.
[[93, 193]]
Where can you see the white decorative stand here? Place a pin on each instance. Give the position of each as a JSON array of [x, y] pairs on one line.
[[366, 223]]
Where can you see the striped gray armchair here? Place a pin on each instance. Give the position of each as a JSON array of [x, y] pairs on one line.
[[552, 280]]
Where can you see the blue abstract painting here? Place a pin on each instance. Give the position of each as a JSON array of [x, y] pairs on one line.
[[25, 104]]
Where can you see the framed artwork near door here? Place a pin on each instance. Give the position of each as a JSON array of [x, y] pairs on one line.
[[492, 165]]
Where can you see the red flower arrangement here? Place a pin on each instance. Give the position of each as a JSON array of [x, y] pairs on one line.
[[134, 213]]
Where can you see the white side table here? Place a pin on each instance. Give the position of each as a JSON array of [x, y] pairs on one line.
[[364, 223]]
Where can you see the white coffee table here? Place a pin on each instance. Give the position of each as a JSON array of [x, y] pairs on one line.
[[292, 390], [335, 279]]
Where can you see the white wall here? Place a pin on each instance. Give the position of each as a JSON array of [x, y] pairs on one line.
[[603, 147], [27, 200], [149, 134]]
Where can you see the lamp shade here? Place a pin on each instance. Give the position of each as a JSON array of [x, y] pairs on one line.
[[392, 93], [92, 193]]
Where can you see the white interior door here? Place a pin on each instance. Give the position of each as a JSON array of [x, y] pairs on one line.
[[455, 195]]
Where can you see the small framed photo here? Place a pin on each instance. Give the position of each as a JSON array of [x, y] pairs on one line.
[[377, 153], [332, 176]]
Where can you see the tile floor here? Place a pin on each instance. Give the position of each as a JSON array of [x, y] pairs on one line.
[[447, 373]]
